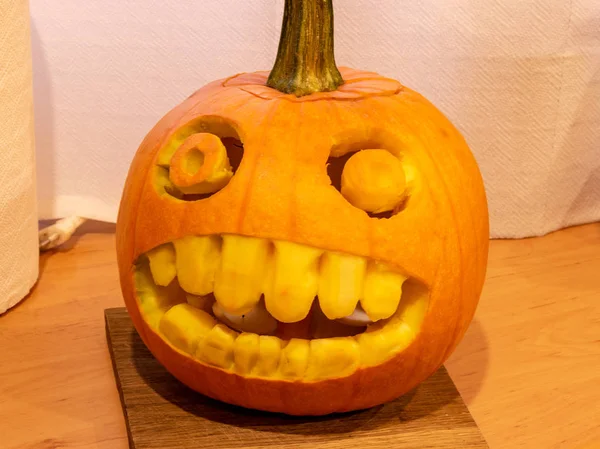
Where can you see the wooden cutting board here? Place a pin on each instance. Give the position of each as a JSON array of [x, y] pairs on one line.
[[160, 412]]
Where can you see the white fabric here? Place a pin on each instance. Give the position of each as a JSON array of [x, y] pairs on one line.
[[520, 78], [19, 254]]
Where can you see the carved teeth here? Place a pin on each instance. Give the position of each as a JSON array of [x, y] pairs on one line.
[[216, 348], [185, 326], [382, 291], [269, 352], [240, 277], [162, 264], [245, 352], [197, 262], [294, 358], [187, 322], [237, 271], [293, 281], [331, 357], [341, 284]]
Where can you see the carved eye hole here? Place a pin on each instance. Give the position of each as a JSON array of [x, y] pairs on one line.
[[200, 165], [199, 159], [372, 180]]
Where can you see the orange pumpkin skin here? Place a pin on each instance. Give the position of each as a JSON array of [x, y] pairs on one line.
[[281, 191]]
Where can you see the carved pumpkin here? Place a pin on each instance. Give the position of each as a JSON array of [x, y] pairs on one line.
[[304, 241]]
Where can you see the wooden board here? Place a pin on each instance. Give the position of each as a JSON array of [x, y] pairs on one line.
[[160, 412]]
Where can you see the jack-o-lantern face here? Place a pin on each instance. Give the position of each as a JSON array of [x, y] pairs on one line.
[[303, 254]]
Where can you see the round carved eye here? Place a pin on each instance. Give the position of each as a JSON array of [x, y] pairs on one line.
[[373, 180], [200, 165]]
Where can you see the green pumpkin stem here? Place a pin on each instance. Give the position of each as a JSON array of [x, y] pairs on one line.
[[305, 61]]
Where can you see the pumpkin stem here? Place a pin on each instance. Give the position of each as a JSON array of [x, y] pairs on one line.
[[305, 61]]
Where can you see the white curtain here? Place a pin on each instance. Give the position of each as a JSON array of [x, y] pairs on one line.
[[520, 79]]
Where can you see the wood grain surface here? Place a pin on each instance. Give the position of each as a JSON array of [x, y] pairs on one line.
[[528, 368], [162, 413]]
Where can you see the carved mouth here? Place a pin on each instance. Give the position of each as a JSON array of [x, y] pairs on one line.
[[276, 309]]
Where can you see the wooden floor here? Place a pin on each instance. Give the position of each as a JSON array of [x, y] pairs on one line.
[[528, 368]]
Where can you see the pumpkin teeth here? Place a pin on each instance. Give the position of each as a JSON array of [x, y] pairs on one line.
[[239, 270], [269, 353], [245, 352], [382, 291], [216, 348], [155, 300], [197, 262], [340, 284], [185, 326], [188, 323], [294, 358], [292, 282], [332, 357], [162, 264], [240, 277]]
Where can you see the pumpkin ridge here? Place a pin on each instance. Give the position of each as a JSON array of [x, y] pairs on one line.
[[246, 199], [435, 116], [458, 239], [293, 199]]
